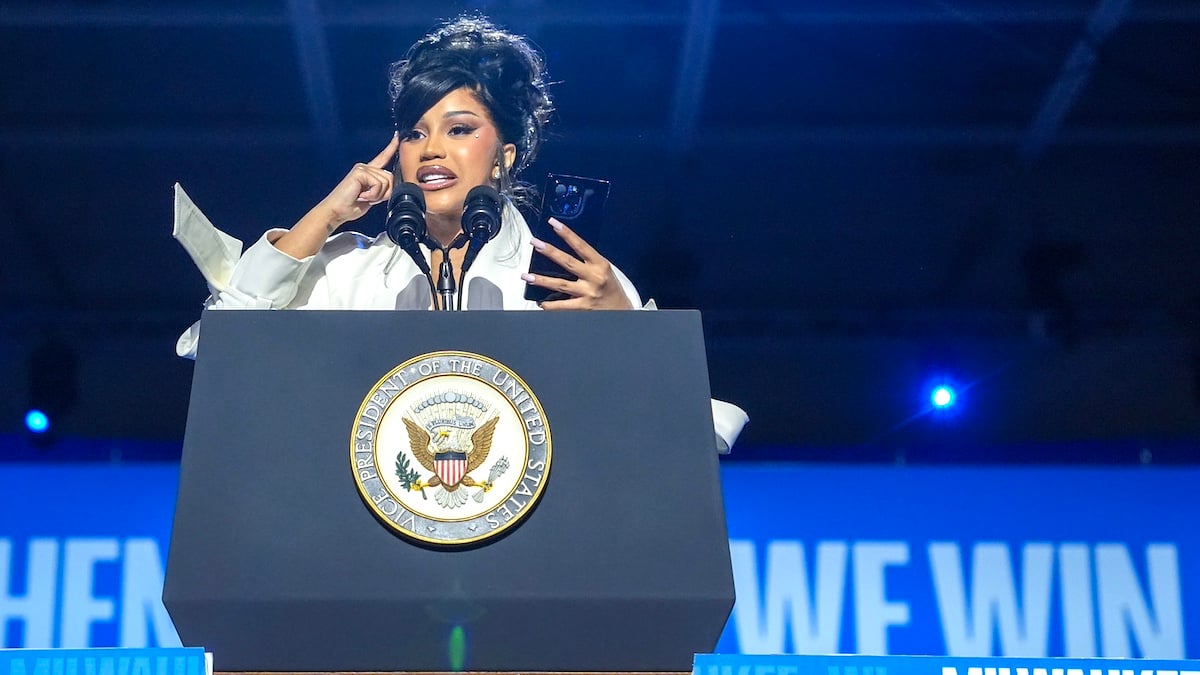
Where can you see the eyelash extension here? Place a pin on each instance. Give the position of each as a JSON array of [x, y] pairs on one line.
[[456, 129]]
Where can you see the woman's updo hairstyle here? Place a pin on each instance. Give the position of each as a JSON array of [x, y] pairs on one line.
[[503, 69]]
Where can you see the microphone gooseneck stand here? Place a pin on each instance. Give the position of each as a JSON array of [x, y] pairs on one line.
[[446, 289], [480, 223], [406, 228]]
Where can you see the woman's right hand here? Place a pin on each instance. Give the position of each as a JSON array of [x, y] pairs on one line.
[[365, 186]]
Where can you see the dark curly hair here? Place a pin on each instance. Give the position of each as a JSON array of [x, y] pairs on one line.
[[504, 70]]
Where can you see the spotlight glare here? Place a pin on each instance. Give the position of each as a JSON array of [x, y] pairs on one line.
[[457, 649], [942, 397], [37, 422]]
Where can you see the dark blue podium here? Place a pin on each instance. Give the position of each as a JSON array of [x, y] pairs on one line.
[[277, 564]]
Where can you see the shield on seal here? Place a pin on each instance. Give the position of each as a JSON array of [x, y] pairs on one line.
[[450, 467]]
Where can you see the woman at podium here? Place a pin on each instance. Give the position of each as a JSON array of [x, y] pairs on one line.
[[470, 105]]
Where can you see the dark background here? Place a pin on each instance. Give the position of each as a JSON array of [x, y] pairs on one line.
[[861, 196]]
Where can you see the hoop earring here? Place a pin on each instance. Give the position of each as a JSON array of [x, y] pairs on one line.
[[496, 172]]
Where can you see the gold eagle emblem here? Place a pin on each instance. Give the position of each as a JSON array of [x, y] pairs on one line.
[[425, 447]]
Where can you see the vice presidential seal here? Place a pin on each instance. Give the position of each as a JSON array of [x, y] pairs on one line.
[[450, 448]]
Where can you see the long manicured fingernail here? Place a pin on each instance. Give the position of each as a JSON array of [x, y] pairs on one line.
[[538, 243], [527, 277], [555, 224]]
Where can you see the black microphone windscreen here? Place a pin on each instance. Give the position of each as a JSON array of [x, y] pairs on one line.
[[484, 192], [405, 190], [406, 215], [481, 212]]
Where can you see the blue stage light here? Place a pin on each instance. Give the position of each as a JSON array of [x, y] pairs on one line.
[[942, 396], [37, 422]]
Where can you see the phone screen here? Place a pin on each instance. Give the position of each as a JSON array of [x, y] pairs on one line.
[[579, 203]]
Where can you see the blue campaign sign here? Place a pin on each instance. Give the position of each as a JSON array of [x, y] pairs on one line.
[[82, 553], [964, 561], [737, 664], [110, 661], [1029, 562]]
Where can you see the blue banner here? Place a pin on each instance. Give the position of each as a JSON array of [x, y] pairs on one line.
[[1029, 562], [82, 555], [111, 661], [736, 664], [964, 561]]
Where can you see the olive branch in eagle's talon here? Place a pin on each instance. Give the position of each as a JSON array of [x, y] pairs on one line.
[[409, 478]]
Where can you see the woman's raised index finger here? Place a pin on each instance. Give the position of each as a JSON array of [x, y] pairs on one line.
[[381, 160]]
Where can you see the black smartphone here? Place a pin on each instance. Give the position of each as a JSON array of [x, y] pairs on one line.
[[579, 203]]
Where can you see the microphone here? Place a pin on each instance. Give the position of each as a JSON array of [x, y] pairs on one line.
[[406, 218], [480, 220], [406, 226]]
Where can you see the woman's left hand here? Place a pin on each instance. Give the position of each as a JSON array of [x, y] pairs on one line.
[[597, 286]]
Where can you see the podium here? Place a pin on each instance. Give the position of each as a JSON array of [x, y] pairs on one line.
[[278, 563]]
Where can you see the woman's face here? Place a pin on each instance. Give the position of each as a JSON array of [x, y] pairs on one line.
[[451, 149]]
